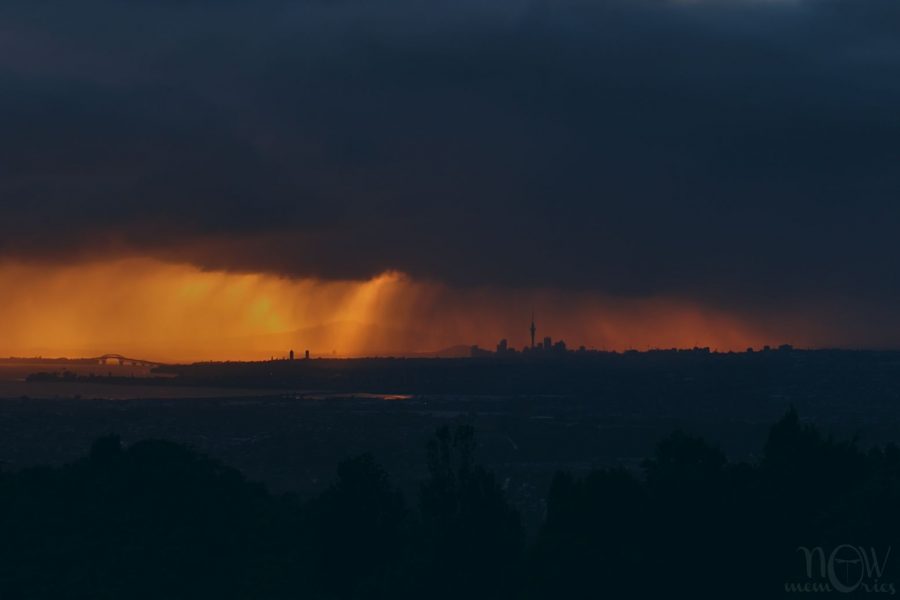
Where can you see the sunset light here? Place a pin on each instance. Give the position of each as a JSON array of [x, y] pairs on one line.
[[163, 311]]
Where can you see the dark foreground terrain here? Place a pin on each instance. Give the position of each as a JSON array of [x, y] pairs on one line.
[[726, 514], [288, 423], [158, 520]]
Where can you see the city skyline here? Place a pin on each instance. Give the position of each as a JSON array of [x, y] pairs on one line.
[[547, 347]]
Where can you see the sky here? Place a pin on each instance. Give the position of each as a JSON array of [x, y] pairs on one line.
[[221, 179]]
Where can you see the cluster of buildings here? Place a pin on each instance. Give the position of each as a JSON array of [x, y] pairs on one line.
[[544, 347]]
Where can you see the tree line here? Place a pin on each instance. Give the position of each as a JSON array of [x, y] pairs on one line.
[[159, 520]]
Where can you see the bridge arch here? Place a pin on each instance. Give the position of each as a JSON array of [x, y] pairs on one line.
[[118, 359]]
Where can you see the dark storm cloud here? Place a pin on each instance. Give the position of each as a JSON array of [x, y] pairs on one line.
[[721, 149]]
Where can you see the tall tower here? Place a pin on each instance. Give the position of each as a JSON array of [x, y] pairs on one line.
[[533, 329]]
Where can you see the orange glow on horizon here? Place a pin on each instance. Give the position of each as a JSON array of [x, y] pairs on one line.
[[175, 312]]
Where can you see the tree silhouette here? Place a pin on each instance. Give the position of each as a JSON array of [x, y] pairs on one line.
[[358, 530], [472, 538]]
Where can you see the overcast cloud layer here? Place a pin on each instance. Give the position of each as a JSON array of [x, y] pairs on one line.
[[734, 151]]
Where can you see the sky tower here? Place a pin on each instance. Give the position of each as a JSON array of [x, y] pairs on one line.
[[533, 329]]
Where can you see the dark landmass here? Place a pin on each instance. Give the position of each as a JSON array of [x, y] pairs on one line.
[[66, 376], [157, 520], [664, 373], [621, 377], [534, 414], [725, 514]]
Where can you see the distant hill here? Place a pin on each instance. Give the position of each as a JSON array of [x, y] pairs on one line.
[[458, 351], [333, 339]]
